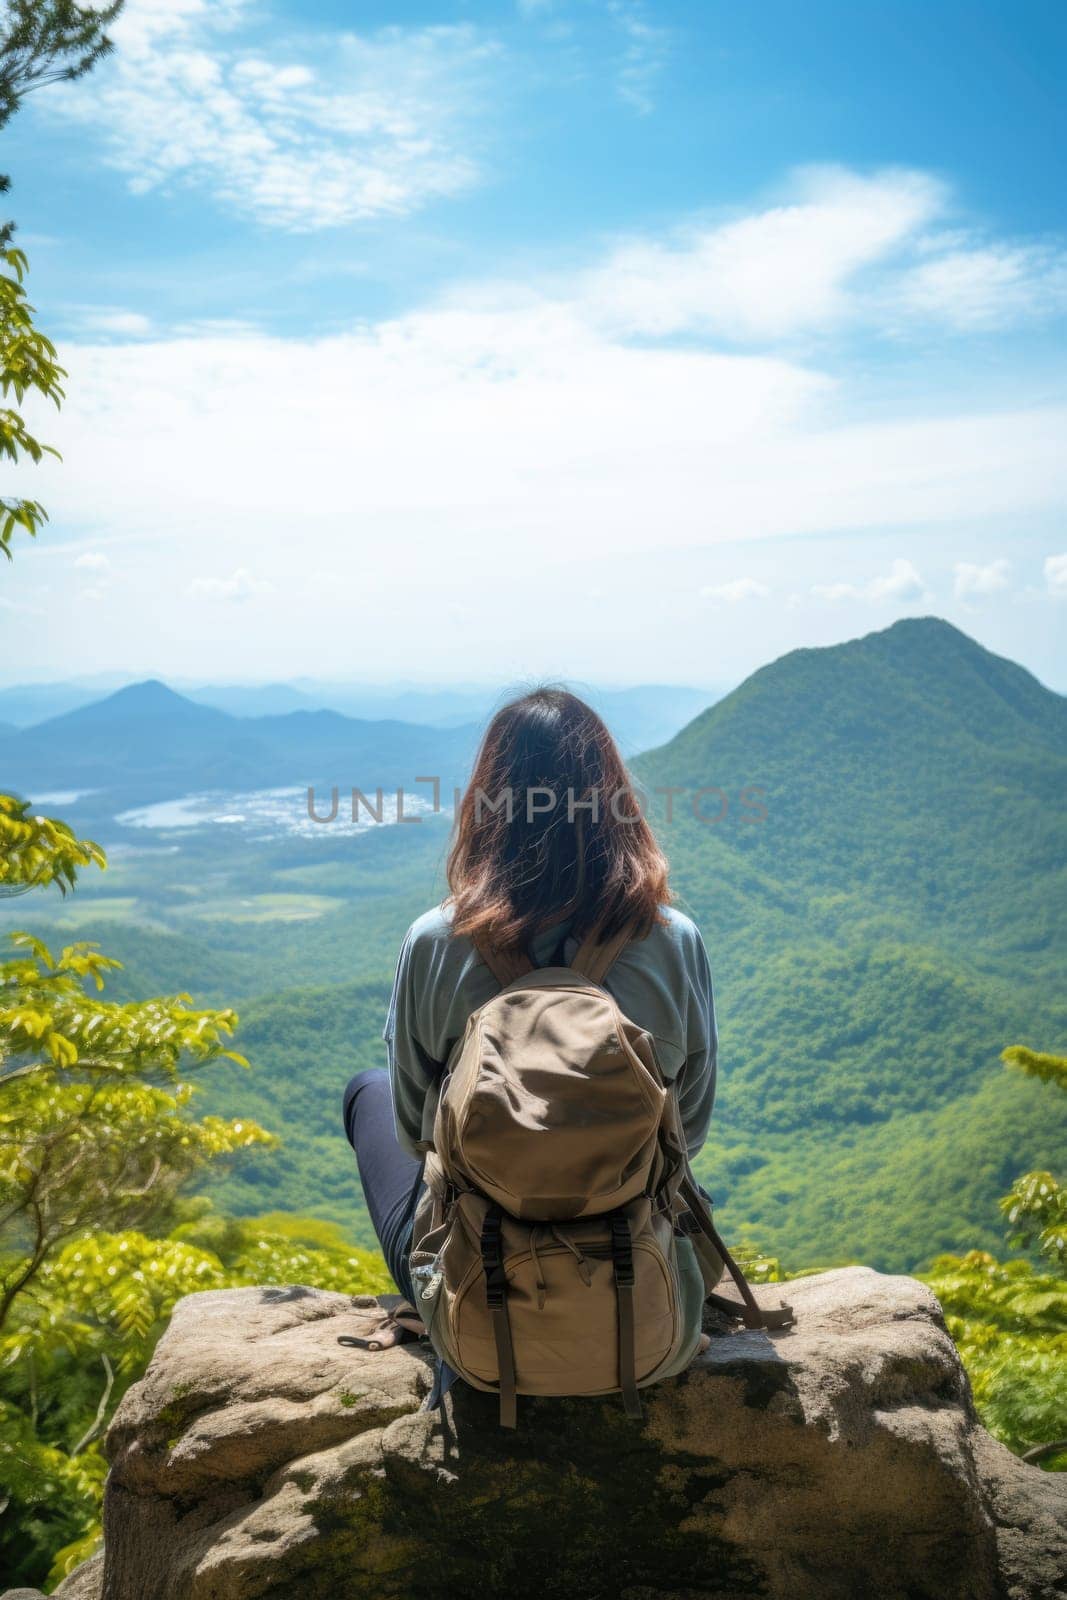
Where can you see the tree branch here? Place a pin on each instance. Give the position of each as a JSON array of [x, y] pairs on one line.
[[101, 1411], [1040, 1451], [40, 1249]]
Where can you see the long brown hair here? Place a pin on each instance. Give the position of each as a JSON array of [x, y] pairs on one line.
[[519, 865]]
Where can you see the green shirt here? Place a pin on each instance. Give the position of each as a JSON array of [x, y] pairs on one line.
[[663, 983]]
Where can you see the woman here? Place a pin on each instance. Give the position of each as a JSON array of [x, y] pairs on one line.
[[550, 843]]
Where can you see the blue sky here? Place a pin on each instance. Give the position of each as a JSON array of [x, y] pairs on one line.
[[602, 338]]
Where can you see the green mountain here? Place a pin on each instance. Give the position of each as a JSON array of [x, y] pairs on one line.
[[894, 920], [910, 771]]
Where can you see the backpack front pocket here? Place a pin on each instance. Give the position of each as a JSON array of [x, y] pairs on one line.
[[562, 1307]]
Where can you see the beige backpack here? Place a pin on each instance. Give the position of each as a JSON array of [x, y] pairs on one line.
[[544, 1256]]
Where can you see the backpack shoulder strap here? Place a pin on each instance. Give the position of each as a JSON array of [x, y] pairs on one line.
[[505, 965], [596, 956], [748, 1310]]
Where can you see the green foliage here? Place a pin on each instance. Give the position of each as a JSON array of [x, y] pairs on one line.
[[280, 1248], [97, 1138], [1037, 1210], [1010, 1320], [93, 1130], [27, 363], [1035, 1064], [37, 851], [93, 1127], [1010, 1324], [98, 1308], [48, 1495], [332, 1033], [41, 41], [756, 1264], [97, 1241], [97, 1141], [45, 41], [1037, 1204]]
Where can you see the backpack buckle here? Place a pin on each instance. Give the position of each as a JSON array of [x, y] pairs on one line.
[[492, 1250], [496, 1283], [622, 1251]]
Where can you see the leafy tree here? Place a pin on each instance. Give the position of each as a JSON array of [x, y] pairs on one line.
[[100, 1306], [1010, 1323], [46, 41], [41, 41], [27, 362], [95, 1142], [1037, 1204], [97, 1240], [1009, 1319], [93, 1130], [36, 851]]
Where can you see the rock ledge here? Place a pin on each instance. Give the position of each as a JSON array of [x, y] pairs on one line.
[[840, 1458]]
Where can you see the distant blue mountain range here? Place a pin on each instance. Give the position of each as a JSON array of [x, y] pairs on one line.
[[640, 717], [146, 741]]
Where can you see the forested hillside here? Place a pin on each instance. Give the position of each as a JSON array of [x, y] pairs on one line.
[[896, 918]]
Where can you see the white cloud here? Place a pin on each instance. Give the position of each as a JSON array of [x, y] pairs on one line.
[[644, 55], [212, 326], [837, 591], [146, 23], [1056, 574], [619, 38], [970, 579], [363, 125], [113, 321], [987, 286], [736, 590], [476, 430], [240, 585], [92, 561], [774, 272], [842, 249], [901, 584], [455, 438]]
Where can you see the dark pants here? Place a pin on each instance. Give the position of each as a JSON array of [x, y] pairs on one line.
[[390, 1176]]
